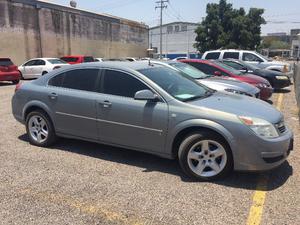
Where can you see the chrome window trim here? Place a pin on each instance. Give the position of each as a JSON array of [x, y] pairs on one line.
[[108, 121]]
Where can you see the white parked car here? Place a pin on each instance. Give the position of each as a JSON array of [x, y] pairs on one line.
[[251, 57], [99, 59], [35, 68]]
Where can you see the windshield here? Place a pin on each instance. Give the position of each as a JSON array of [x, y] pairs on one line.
[[189, 70], [56, 61], [176, 83], [228, 68], [264, 57], [250, 66]]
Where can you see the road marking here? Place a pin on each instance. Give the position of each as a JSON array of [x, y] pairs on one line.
[[259, 196]]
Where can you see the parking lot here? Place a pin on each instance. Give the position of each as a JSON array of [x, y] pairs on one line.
[[76, 182]]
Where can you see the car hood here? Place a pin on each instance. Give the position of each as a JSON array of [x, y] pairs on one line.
[[253, 79], [240, 105], [266, 73], [222, 84]]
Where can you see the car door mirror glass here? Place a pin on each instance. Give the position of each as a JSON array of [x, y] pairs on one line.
[[146, 95]]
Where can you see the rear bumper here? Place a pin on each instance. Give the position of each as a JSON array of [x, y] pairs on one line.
[[9, 76]]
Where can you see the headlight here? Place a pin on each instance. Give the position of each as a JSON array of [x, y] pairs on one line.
[[236, 91], [260, 127], [262, 85], [281, 77]]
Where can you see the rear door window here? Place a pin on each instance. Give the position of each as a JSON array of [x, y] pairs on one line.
[[234, 65], [80, 79], [6, 62], [40, 63], [213, 55], [121, 84], [231, 55]]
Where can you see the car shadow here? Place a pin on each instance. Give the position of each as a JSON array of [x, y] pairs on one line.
[[151, 163], [3, 84]]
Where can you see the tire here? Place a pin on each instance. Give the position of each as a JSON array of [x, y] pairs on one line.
[[16, 81], [40, 129], [45, 72], [205, 163]]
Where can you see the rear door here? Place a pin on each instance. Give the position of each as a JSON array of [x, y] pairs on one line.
[[124, 121], [72, 97]]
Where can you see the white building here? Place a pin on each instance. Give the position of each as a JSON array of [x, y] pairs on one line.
[[178, 39]]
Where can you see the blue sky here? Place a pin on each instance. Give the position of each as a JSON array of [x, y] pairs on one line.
[[287, 11]]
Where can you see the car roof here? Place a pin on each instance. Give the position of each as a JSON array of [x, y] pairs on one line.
[[124, 65], [228, 50], [42, 59]]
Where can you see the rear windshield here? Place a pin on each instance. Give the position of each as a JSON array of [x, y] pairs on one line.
[[6, 62], [56, 61], [70, 59]]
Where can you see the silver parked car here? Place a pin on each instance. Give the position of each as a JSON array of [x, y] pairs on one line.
[[154, 109], [214, 83]]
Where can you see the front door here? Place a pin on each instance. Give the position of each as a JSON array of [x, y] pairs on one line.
[[124, 121], [72, 97]]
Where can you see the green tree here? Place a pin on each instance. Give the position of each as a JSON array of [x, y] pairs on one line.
[[226, 27]]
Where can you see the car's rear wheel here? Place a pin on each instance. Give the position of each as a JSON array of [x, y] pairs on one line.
[[205, 156], [40, 129]]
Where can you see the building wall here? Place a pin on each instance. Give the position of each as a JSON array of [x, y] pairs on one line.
[[30, 28], [178, 38]]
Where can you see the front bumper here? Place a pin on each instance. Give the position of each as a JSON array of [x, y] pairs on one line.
[[262, 155], [277, 84]]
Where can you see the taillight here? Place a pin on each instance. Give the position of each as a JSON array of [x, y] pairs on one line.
[[56, 67], [18, 86]]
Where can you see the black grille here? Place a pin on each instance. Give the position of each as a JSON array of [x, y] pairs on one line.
[[281, 127]]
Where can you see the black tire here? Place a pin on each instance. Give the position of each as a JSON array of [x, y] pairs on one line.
[[45, 72], [189, 141], [16, 81], [51, 138]]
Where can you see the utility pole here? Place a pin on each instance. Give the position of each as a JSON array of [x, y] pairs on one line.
[[161, 5]]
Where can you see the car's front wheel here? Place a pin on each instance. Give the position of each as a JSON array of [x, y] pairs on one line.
[[205, 156], [40, 129], [16, 81]]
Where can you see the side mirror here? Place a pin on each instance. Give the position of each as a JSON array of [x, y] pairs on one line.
[[244, 70], [217, 73], [146, 95]]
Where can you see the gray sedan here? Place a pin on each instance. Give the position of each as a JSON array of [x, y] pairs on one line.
[[157, 110]]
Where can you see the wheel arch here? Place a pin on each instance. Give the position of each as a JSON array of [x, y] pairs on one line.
[[36, 105], [200, 125]]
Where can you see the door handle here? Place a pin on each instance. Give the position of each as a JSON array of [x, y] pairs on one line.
[[53, 96], [106, 104]]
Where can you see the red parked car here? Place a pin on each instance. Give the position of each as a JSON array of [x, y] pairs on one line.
[[76, 59], [215, 68], [9, 71]]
